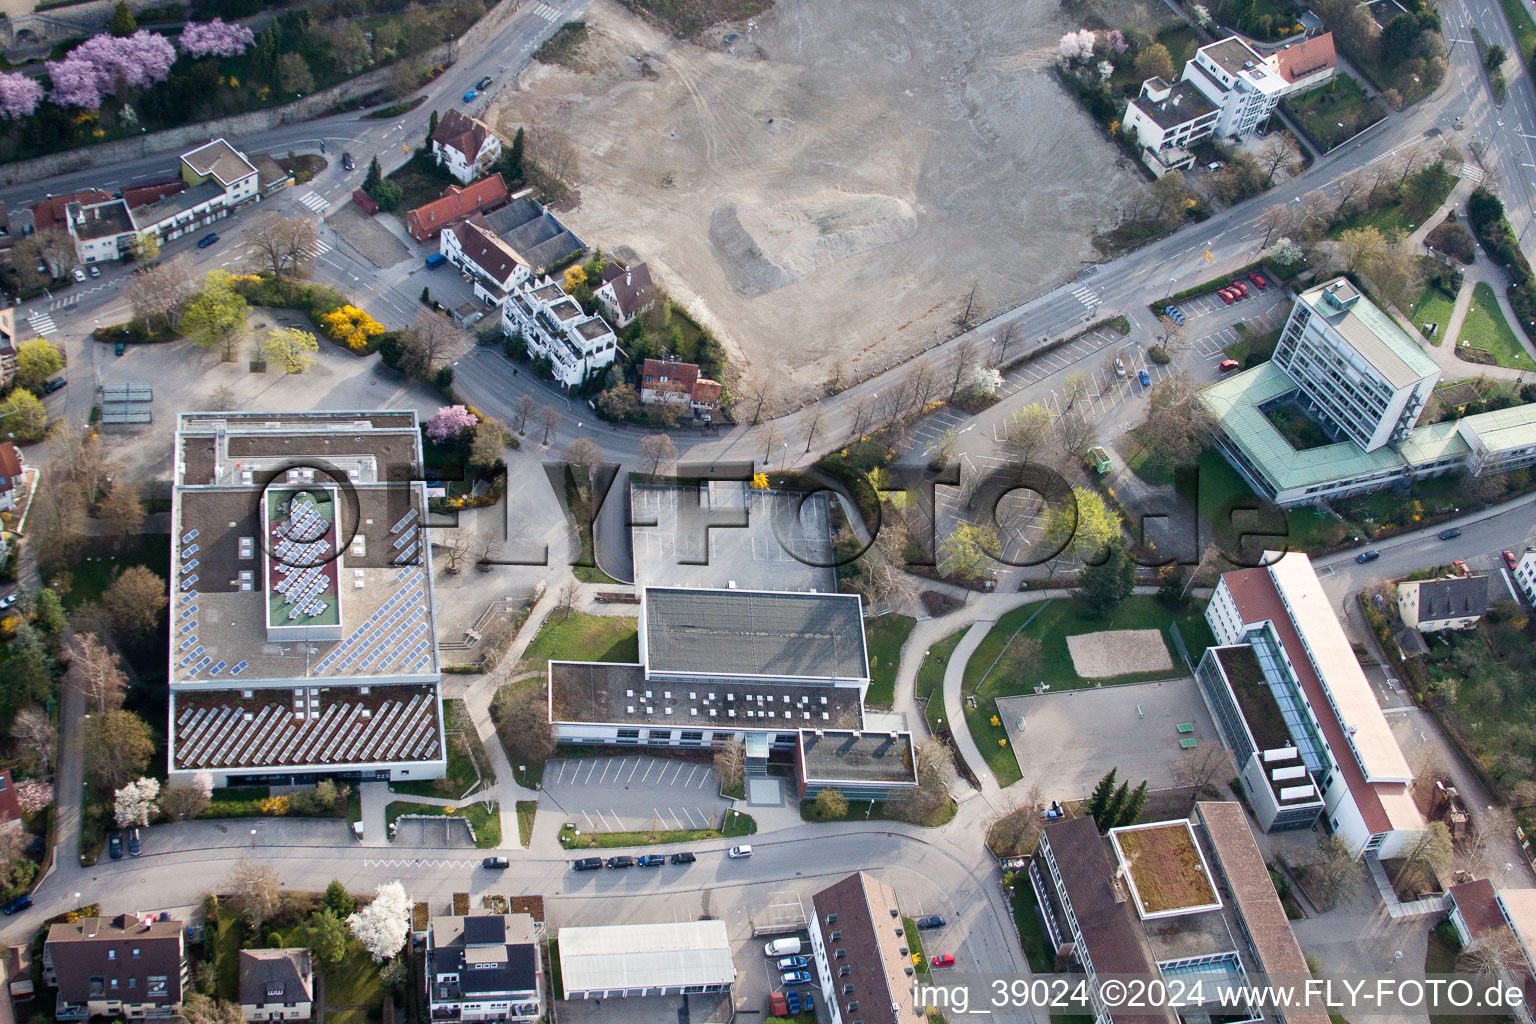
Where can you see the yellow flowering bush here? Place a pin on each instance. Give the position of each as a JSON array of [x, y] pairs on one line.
[[351, 327], [274, 805]]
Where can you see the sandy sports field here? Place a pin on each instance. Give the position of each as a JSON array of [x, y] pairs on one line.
[[1119, 652], [831, 184]]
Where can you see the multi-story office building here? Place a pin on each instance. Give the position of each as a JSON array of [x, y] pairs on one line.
[[1239, 82], [554, 327], [303, 637]]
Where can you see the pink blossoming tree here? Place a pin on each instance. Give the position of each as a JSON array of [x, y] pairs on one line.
[[450, 422], [19, 95], [93, 69], [215, 38]]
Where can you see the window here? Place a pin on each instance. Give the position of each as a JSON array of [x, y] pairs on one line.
[[837, 935], [111, 954], [157, 985], [844, 971], [135, 954], [831, 919]]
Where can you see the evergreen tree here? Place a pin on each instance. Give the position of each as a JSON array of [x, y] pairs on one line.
[[1101, 793], [515, 158], [337, 900], [122, 23], [431, 129], [1134, 805], [1105, 585], [1106, 821], [426, 296], [374, 176]]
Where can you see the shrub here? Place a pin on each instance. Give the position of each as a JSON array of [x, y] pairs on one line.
[[352, 327]]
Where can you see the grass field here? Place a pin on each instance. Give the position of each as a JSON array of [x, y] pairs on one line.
[[1321, 112], [485, 822], [464, 752], [930, 677], [100, 564], [1037, 948], [1051, 623], [1432, 306], [1393, 219], [1221, 490], [1524, 28], [526, 810], [883, 637], [1485, 328], [353, 986], [1257, 347], [865, 810], [579, 637], [737, 825]]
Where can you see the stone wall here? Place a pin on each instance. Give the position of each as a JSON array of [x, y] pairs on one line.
[[179, 140]]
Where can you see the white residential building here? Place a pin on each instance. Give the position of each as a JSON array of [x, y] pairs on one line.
[[1166, 120], [490, 264], [1237, 80], [276, 985], [1525, 575], [1456, 602], [465, 145], [554, 327]]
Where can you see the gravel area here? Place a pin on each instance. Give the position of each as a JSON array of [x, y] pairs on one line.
[[1118, 652]]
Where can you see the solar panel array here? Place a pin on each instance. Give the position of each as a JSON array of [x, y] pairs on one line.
[[384, 634], [346, 731]]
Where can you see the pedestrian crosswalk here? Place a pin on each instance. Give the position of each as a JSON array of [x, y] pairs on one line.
[[547, 12], [316, 249], [65, 302], [1086, 296], [1472, 174], [43, 324], [314, 201]]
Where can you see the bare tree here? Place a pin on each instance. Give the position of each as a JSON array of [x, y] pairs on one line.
[[1496, 953], [1430, 851], [1014, 833], [758, 391], [1315, 207], [1275, 220], [549, 419], [427, 343], [922, 382], [1075, 434], [834, 382], [964, 353], [1029, 431], [282, 246], [584, 456], [1201, 766], [970, 308], [1350, 184], [861, 410], [772, 438], [1005, 336], [122, 509], [1273, 155], [1333, 872], [454, 546], [98, 672], [255, 889], [656, 451], [35, 736], [731, 764], [565, 600], [1409, 161], [486, 550], [815, 424], [525, 405], [893, 403]]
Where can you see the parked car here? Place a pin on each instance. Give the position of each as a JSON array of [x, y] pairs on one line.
[[18, 904], [1258, 279], [469, 97], [738, 852], [120, 348], [9, 599], [793, 963], [943, 960], [682, 857], [1450, 534], [346, 162], [1120, 369], [1226, 296], [1214, 165], [436, 260], [1145, 378], [1510, 560], [651, 860], [1367, 556], [1227, 366], [95, 270], [496, 863], [78, 275], [207, 240], [931, 921], [135, 847], [778, 1006], [621, 862], [115, 846], [782, 947], [54, 385], [587, 864], [796, 977], [1240, 288], [484, 83]]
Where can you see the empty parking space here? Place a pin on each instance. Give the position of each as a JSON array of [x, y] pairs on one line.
[[628, 794], [1066, 741]]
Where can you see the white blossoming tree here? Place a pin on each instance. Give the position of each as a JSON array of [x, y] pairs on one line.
[[1285, 251], [136, 802], [1201, 15], [1106, 70], [1076, 47], [382, 925]]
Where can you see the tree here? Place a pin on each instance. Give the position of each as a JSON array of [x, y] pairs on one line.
[[97, 671], [860, 412], [35, 737], [1133, 806], [1273, 155], [730, 764], [1496, 953], [758, 391], [962, 364], [1103, 586], [36, 361], [524, 406], [145, 247], [522, 722], [118, 746], [136, 803], [326, 933], [1098, 801], [293, 74], [122, 509], [22, 414], [159, 290], [1106, 821], [215, 38], [134, 601], [188, 798], [1075, 434], [831, 805], [1274, 220], [255, 889], [215, 317], [1202, 765], [449, 422], [964, 553], [427, 343], [815, 425], [584, 457], [772, 439], [656, 451], [1359, 246], [282, 246], [1028, 432], [1016, 832], [1429, 851], [966, 318], [375, 174], [338, 900], [1085, 526], [549, 419], [382, 925], [122, 23], [1154, 62], [350, 51], [293, 348], [489, 448], [432, 123], [515, 154], [197, 1008], [1332, 872], [935, 765], [1176, 427], [1170, 199]]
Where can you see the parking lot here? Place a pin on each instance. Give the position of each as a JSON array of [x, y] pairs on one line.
[[1071, 738], [630, 794]]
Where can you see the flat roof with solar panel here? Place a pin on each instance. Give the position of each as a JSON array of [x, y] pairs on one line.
[[301, 593]]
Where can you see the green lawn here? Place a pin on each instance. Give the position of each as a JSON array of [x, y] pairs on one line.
[[526, 810], [930, 678], [485, 822], [865, 810], [1051, 623], [737, 825], [556, 983], [227, 956], [915, 944], [1182, 42], [1322, 111], [99, 565], [464, 752], [1139, 460], [1485, 328], [1221, 491], [1037, 948], [1252, 349], [352, 987], [883, 637], [1432, 306], [1524, 28], [1393, 219], [579, 637]]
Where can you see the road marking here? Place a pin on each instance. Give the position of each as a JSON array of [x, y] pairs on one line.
[[42, 323], [632, 771], [547, 12], [314, 201]]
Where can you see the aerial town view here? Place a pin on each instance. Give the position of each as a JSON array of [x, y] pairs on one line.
[[781, 511]]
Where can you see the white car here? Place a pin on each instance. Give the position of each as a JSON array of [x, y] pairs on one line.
[[78, 275], [738, 852], [9, 599]]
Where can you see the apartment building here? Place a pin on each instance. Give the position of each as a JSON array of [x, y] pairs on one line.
[[1329, 709], [554, 327], [1166, 120], [1483, 914], [1525, 575], [862, 953], [303, 632], [276, 985], [484, 967], [465, 146], [1239, 82], [132, 966], [490, 264], [1456, 602]]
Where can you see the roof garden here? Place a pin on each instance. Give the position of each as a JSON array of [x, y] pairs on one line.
[[1254, 697], [1165, 869]]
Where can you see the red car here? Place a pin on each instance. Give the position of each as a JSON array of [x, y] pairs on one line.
[[1510, 560], [1240, 288], [1258, 279], [1227, 366], [943, 960], [778, 1006], [1226, 296]]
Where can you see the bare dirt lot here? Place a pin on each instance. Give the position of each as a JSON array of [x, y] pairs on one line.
[[1118, 652], [831, 184]]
